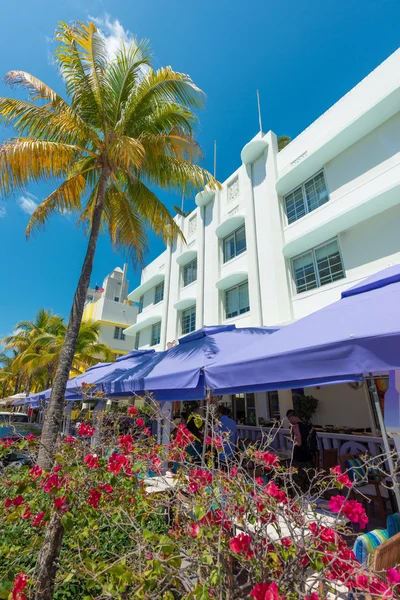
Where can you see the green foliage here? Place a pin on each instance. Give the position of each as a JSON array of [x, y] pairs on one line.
[[304, 406]]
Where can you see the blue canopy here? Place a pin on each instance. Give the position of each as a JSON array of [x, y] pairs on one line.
[[358, 334], [178, 373], [102, 371]]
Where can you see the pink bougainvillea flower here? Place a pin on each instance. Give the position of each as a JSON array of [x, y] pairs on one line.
[[132, 410], [241, 544], [38, 519], [85, 429], [380, 589], [336, 503], [361, 581], [6, 443], [7, 503], [193, 487], [92, 461], [20, 583], [94, 498], [60, 504], [52, 482], [341, 478], [266, 591], [286, 542], [355, 512], [57, 469], [201, 477], [149, 556], [193, 530], [312, 596], [140, 422], [146, 431], [30, 437], [393, 576], [18, 501], [116, 462], [36, 472], [126, 443], [106, 487], [69, 439], [27, 513]]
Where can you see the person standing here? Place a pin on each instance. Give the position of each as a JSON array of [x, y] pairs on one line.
[[304, 448]]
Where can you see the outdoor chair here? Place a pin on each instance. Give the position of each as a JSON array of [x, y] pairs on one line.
[[329, 458], [369, 486]]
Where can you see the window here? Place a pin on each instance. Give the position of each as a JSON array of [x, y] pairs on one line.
[[116, 299], [233, 189], [273, 405], [234, 244], [318, 267], [244, 409], [118, 333], [306, 198], [190, 272], [140, 305], [237, 300], [137, 340], [159, 293], [189, 320], [155, 334], [89, 297]]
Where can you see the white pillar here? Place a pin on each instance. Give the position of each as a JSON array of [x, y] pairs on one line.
[[200, 271], [252, 253], [167, 292]]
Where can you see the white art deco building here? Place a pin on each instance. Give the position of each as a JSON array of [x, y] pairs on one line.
[[288, 232]]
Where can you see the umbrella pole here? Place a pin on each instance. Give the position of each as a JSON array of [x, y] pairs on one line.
[[374, 393], [203, 455]]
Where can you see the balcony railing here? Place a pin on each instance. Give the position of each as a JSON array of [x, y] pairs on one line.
[[345, 443]]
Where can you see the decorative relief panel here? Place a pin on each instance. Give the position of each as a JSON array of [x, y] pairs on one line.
[[233, 189]]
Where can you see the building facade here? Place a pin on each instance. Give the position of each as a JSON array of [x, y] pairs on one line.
[[288, 231], [110, 306]]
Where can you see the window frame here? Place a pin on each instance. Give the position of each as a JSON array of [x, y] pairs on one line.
[[234, 407], [302, 186], [116, 332], [230, 235], [137, 340], [184, 268], [236, 287], [158, 286], [140, 305], [190, 308], [153, 341], [315, 265], [270, 401]]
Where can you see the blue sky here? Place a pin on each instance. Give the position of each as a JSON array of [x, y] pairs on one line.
[[302, 56]]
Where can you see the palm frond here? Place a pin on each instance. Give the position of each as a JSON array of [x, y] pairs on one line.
[[28, 159]]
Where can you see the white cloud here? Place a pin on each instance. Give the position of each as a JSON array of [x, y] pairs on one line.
[[3, 211], [113, 32], [27, 203]]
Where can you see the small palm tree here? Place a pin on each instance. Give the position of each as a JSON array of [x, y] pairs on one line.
[[283, 140], [126, 126]]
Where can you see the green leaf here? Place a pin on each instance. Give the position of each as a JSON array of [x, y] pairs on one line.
[[199, 512], [67, 521]]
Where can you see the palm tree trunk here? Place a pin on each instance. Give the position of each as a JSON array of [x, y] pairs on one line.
[[53, 418], [48, 555], [47, 559]]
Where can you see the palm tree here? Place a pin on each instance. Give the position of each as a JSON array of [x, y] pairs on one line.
[[126, 127], [283, 140], [41, 357]]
